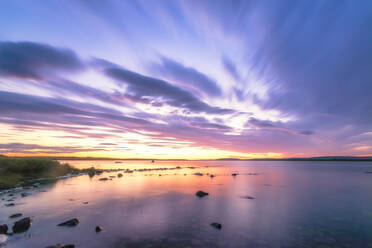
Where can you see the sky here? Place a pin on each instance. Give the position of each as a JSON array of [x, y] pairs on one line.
[[186, 79]]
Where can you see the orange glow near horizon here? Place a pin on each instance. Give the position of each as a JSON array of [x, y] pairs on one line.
[[201, 156], [136, 145]]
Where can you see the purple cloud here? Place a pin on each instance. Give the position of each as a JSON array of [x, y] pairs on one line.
[[33, 60], [187, 76]]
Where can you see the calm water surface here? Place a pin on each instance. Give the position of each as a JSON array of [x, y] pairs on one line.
[[297, 204]]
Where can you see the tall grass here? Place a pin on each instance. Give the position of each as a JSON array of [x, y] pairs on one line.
[[14, 171]]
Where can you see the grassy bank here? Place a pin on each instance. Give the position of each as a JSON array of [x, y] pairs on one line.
[[17, 171]]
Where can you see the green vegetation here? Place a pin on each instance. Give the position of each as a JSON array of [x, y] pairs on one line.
[[17, 171]]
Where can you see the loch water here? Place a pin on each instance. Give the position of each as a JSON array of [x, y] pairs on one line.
[[273, 204]]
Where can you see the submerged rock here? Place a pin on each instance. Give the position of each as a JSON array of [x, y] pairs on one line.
[[22, 225], [234, 174], [98, 228], [3, 229], [70, 223], [10, 205], [201, 193], [120, 175], [248, 197], [216, 225], [15, 215], [61, 246], [24, 194], [212, 176], [103, 179], [198, 174]]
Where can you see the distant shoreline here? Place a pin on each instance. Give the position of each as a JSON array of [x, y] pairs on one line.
[[325, 158]]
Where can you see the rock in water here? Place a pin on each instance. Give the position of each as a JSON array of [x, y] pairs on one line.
[[234, 174], [248, 197], [3, 229], [201, 193], [15, 215], [98, 229], [70, 223], [216, 225], [61, 246], [24, 194], [120, 175], [22, 225]]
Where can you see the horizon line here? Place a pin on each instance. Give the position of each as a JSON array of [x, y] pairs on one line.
[[329, 157]]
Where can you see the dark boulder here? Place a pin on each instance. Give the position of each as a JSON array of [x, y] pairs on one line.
[[3, 229], [201, 193], [70, 223], [10, 205], [22, 225], [98, 229], [234, 174], [216, 225], [120, 175], [15, 215]]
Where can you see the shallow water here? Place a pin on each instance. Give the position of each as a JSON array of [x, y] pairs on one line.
[[297, 204]]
